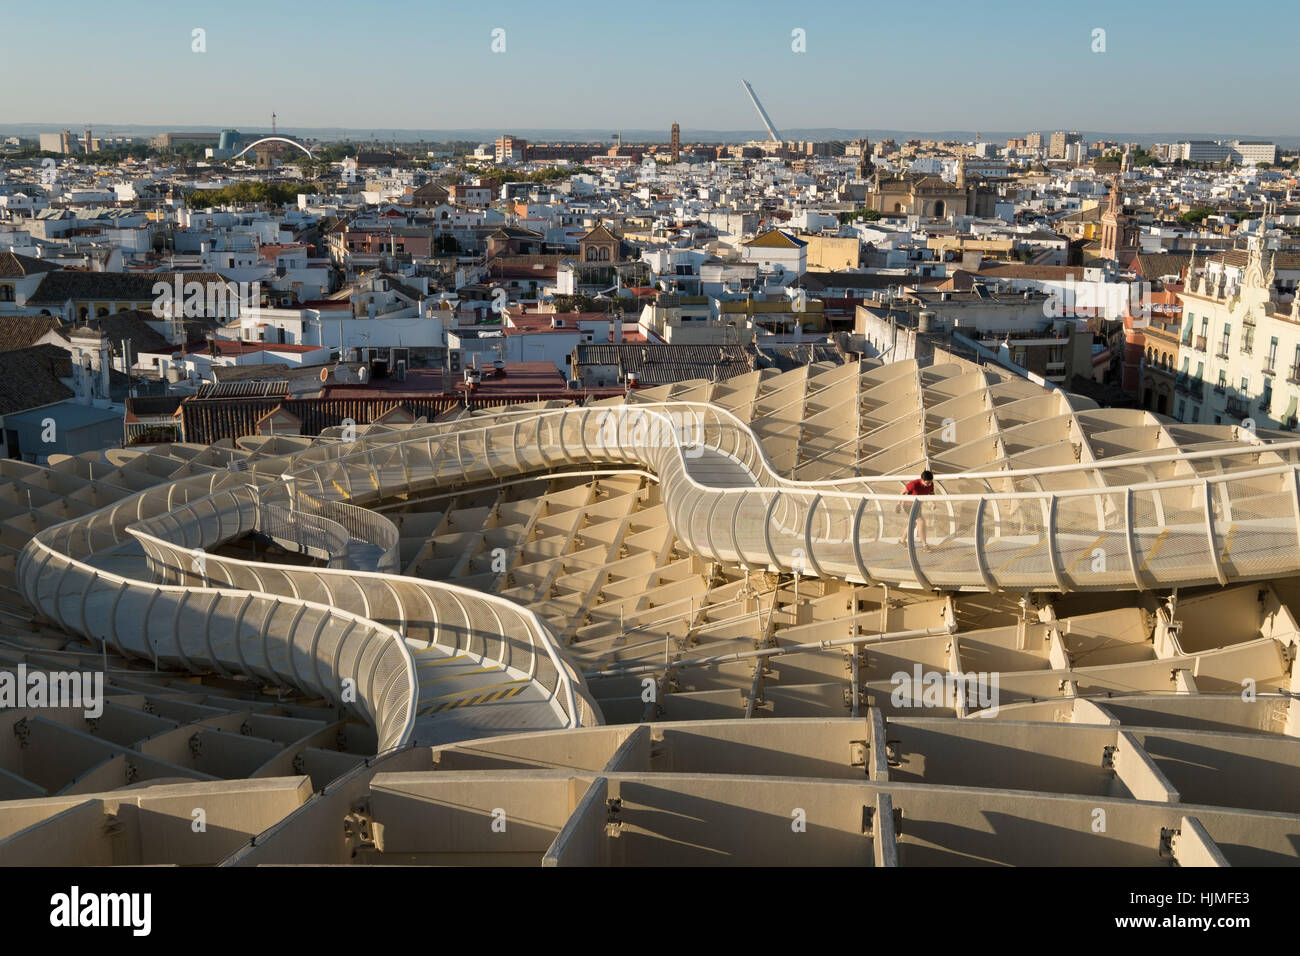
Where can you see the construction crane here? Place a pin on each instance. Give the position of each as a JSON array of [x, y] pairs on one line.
[[771, 130]]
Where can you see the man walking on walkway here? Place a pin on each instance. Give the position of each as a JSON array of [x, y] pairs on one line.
[[918, 486]]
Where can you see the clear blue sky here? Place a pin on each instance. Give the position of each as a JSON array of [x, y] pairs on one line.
[[998, 65]]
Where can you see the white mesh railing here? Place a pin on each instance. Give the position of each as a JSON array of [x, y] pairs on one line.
[[314, 648], [1221, 514], [1215, 515]]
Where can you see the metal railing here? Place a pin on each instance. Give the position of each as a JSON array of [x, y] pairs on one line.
[[1159, 519]]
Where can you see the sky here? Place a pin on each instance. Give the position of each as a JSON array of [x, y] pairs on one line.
[[1192, 65]]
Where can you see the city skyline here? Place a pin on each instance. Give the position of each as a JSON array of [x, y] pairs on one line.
[[436, 67]]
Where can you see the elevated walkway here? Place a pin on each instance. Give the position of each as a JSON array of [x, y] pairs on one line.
[[354, 633]]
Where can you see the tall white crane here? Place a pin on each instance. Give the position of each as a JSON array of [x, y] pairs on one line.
[[771, 130]]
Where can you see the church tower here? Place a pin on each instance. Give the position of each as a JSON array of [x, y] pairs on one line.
[[1119, 233], [866, 168]]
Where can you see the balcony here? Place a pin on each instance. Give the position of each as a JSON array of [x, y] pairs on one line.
[[1200, 345], [1221, 354], [1191, 387], [1238, 408], [1293, 374], [1220, 390], [1248, 321]]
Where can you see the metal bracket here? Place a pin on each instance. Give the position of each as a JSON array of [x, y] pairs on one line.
[[859, 750], [893, 753], [613, 820], [1166, 849], [359, 826]]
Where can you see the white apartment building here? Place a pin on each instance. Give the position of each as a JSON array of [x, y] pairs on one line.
[[1239, 354]]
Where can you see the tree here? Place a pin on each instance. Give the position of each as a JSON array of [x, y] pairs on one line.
[[1195, 215], [861, 213], [276, 194]]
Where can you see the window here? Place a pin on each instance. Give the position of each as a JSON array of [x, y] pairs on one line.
[[1248, 340], [1205, 326], [1227, 337], [1182, 410], [6, 293], [1266, 399], [1271, 362], [1196, 413], [1245, 387]]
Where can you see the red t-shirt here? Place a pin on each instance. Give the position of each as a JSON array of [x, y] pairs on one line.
[[917, 487]]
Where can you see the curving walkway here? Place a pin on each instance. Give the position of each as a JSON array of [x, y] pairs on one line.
[[432, 662]]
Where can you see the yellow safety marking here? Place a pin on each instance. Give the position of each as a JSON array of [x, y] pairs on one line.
[[478, 690], [1022, 554], [437, 662], [459, 674], [1155, 548], [343, 491], [1086, 553], [1227, 545], [435, 647], [489, 697]]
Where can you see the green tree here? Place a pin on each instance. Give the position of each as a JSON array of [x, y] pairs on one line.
[[1195, 215]]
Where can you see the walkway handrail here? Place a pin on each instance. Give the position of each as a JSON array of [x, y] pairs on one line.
[[1183, 530]]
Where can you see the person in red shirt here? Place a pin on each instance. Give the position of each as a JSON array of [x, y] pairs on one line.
[[919, 486]]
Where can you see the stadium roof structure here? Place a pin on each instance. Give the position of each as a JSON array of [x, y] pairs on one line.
[[646, 628]]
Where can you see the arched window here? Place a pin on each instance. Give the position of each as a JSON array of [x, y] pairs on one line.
[[938, 208], [898, 207], [591, 254], [101, 312]]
